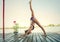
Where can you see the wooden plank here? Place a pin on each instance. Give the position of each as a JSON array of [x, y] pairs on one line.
[[42, 38], [8, 36], [34, 37], [20, 40], [1, 40], [48, 40], [51, 39], [58, 40], [11, 40], [55, 35], [30, 38], [38, 38], [1, 35], [26, 38]]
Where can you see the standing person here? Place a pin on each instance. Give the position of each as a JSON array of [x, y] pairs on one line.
[[33, 22], [15, 27]]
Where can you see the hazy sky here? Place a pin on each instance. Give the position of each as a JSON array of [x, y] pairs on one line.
[[46, 12]]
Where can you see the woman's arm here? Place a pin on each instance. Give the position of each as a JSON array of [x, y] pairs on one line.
[[31, 8]]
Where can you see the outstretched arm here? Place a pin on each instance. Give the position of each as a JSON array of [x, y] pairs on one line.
[[31, 8]]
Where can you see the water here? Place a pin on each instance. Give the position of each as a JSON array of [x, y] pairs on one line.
[[47, 29]]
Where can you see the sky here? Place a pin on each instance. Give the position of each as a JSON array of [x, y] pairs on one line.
[[46, 12]]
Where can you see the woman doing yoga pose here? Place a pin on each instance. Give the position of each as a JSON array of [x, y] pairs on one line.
[[33, 21]]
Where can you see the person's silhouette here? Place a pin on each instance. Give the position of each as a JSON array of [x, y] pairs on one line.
[[34, 21]]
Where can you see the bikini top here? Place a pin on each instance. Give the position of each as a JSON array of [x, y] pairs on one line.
[[31, 18]]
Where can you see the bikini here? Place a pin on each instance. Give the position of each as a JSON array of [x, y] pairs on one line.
[[31, 18], [33, 26]]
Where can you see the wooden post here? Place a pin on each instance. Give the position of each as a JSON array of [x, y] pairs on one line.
[[3, 19]]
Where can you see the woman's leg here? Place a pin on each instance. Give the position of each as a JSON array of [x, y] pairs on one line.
[[30, 31], [37, 22], [30, 28]]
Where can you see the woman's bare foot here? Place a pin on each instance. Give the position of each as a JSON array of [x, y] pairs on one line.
[[45, 35]]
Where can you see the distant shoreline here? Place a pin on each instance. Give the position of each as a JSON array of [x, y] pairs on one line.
[[27, 27]]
